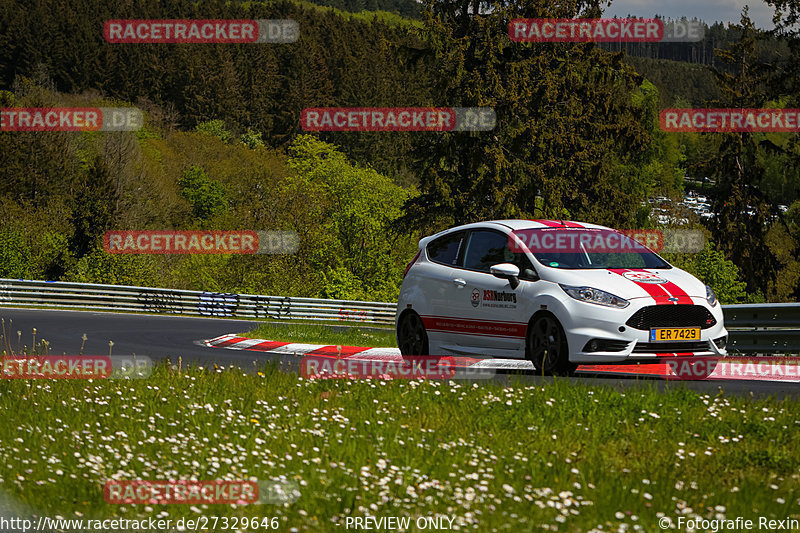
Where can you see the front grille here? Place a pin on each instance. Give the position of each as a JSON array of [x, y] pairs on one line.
[[671, 316], [670, 347]]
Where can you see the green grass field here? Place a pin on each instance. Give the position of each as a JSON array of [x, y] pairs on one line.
[[525, 457], [318, 334]]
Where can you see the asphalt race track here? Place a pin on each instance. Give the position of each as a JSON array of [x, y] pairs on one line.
[[156, 336], [162, 336]]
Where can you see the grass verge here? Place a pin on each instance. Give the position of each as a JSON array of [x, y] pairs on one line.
[[527, 457], [350, 335]]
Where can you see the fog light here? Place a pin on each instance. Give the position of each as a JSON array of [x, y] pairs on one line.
[[721, 343], [592, 346], [605, 345]]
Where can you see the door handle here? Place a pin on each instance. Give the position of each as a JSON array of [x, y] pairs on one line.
[[460, 282]]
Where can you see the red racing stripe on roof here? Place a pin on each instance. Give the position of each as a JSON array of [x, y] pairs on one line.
[[571, 224], [550, 223]]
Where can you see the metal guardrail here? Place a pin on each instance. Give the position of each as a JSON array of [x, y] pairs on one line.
[[181, 302], [762, 315], [763, 328], [753, 328]]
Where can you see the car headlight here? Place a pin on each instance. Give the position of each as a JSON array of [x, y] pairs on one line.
[[595, 296], [711, 297]]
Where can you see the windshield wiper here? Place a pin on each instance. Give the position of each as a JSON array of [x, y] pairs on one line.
[[586, 254]]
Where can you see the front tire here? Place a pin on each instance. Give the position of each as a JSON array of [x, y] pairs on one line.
[[412, 339], [546, 347]]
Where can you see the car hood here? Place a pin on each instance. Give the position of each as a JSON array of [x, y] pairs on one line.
[[654, 283]]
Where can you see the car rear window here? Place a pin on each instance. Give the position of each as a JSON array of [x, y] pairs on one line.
[[445, 249]]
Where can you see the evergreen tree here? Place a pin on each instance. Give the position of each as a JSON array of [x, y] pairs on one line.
[[743, 213], [567, 122], [93, 209]]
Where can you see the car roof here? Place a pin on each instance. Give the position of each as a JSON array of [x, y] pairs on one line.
[[545, 223], [516, 225]]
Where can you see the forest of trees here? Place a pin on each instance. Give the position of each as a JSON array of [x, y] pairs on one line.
[[405, 8], [577, 137]]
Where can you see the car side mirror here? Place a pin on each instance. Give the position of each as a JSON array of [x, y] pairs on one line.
[[506, 271]]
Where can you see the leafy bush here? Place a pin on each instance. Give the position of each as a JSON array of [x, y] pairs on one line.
[[206, 196], [349, 239], [101, 267], [15, 255], [215, 128], [341, 284], [50, 256], [252, 138], [714, 270]]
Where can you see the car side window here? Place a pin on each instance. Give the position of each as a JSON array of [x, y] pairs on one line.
[[445, 249], [486, 248]]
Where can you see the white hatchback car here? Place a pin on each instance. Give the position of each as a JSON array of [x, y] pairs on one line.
[[544, 291]]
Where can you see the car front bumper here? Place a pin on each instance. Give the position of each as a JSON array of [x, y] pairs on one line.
[[584, 322]]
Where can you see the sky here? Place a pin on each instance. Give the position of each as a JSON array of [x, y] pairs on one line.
[[709, 11]]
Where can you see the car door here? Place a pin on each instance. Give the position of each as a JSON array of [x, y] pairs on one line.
[[487, 308], [437, 285]]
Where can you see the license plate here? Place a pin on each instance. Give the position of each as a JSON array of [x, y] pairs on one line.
[[674, 334]]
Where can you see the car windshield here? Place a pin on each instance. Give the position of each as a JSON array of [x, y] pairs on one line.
[[583, 248]]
